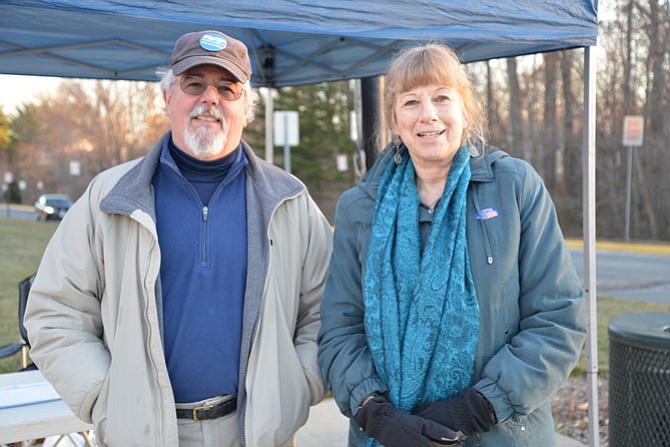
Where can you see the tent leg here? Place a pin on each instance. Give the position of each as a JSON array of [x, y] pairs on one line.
[[269, 117], [370, 119], [589, 232]]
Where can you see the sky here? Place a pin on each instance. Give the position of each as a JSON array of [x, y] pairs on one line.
[[16, 90]]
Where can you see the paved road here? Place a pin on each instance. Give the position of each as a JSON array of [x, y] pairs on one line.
[[21, 212], [627, 271]]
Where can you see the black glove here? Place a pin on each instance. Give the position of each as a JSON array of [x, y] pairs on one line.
[[469, 412], [395, 428]]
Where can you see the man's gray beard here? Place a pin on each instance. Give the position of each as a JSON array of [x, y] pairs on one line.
[[206, 142]]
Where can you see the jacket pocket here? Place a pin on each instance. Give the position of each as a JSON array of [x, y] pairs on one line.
[[278, 394], [99, 414]]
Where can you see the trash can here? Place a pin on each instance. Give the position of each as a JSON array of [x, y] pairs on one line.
[[639, 380]]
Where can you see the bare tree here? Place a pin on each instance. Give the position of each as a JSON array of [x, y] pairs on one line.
[[572, 149], [549, 145], [518, 146], [94, 124]]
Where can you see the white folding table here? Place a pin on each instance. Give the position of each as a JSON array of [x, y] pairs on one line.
[[28, 411]]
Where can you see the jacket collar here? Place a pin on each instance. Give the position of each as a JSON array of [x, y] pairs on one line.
[[134, 189], [481, 167]]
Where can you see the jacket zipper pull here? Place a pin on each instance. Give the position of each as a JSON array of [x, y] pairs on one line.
[[204, 213]]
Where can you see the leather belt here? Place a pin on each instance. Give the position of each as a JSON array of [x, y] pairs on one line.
[[206, 412]]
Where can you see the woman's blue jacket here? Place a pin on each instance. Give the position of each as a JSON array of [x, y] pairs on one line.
[[532, 320]]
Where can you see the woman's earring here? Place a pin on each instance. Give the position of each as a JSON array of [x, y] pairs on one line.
[[397, 157]]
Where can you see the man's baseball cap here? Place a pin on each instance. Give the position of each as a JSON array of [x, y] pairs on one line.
[[214, 48]]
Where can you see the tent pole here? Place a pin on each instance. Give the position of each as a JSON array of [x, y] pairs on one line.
[[589, 230], [269, 117], [370, 111]]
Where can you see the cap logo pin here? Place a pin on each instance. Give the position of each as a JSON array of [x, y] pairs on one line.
[[213, 42]]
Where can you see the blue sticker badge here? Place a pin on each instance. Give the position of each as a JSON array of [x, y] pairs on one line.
[[487, 213], [213, 42]]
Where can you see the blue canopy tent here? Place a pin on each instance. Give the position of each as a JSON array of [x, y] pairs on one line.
[[293, 42]]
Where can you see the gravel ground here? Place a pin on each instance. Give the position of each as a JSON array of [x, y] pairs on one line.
[[570, 407]]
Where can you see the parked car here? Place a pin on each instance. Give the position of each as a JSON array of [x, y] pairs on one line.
[[52, 206]]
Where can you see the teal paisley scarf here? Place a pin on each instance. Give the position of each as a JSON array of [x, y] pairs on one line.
[[421, 312]]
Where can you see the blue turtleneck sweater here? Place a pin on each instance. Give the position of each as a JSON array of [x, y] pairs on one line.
[[201, 224]]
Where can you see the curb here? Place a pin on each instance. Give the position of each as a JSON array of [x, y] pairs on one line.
[[658, 248]]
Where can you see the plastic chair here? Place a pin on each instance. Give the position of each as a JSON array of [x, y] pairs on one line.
[[22, 345]]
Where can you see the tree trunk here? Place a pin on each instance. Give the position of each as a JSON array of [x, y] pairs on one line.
[[656, 54], [518, 144], [549, 146], [646, 197], [572, 150], [489, 97]]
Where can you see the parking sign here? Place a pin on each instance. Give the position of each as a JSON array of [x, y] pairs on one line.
[[633, 130]]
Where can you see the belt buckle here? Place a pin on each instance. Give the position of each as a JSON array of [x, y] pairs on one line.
[[203, 407]]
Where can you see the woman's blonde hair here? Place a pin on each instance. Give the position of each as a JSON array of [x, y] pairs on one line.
[[435, 64]]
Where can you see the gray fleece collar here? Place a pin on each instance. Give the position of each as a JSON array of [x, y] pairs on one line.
[[134, 189], [481, 167]]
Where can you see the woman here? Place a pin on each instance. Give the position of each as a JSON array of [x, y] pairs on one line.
[[451, 296]]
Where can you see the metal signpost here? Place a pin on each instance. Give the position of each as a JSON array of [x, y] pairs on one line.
[[633, 133], [9, 178], [286, 133]]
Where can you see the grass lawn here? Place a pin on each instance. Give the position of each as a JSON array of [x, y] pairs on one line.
[[22, 243], [608, 308]]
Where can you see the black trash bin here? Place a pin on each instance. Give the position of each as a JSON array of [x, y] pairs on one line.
[[639, 380]]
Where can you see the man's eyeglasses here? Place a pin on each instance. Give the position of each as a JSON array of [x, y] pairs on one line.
[[196, 86]]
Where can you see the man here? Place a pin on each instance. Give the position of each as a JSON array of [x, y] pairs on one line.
[[178, 301]]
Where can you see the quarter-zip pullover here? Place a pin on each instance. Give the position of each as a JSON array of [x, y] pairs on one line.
[[202, 218]]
